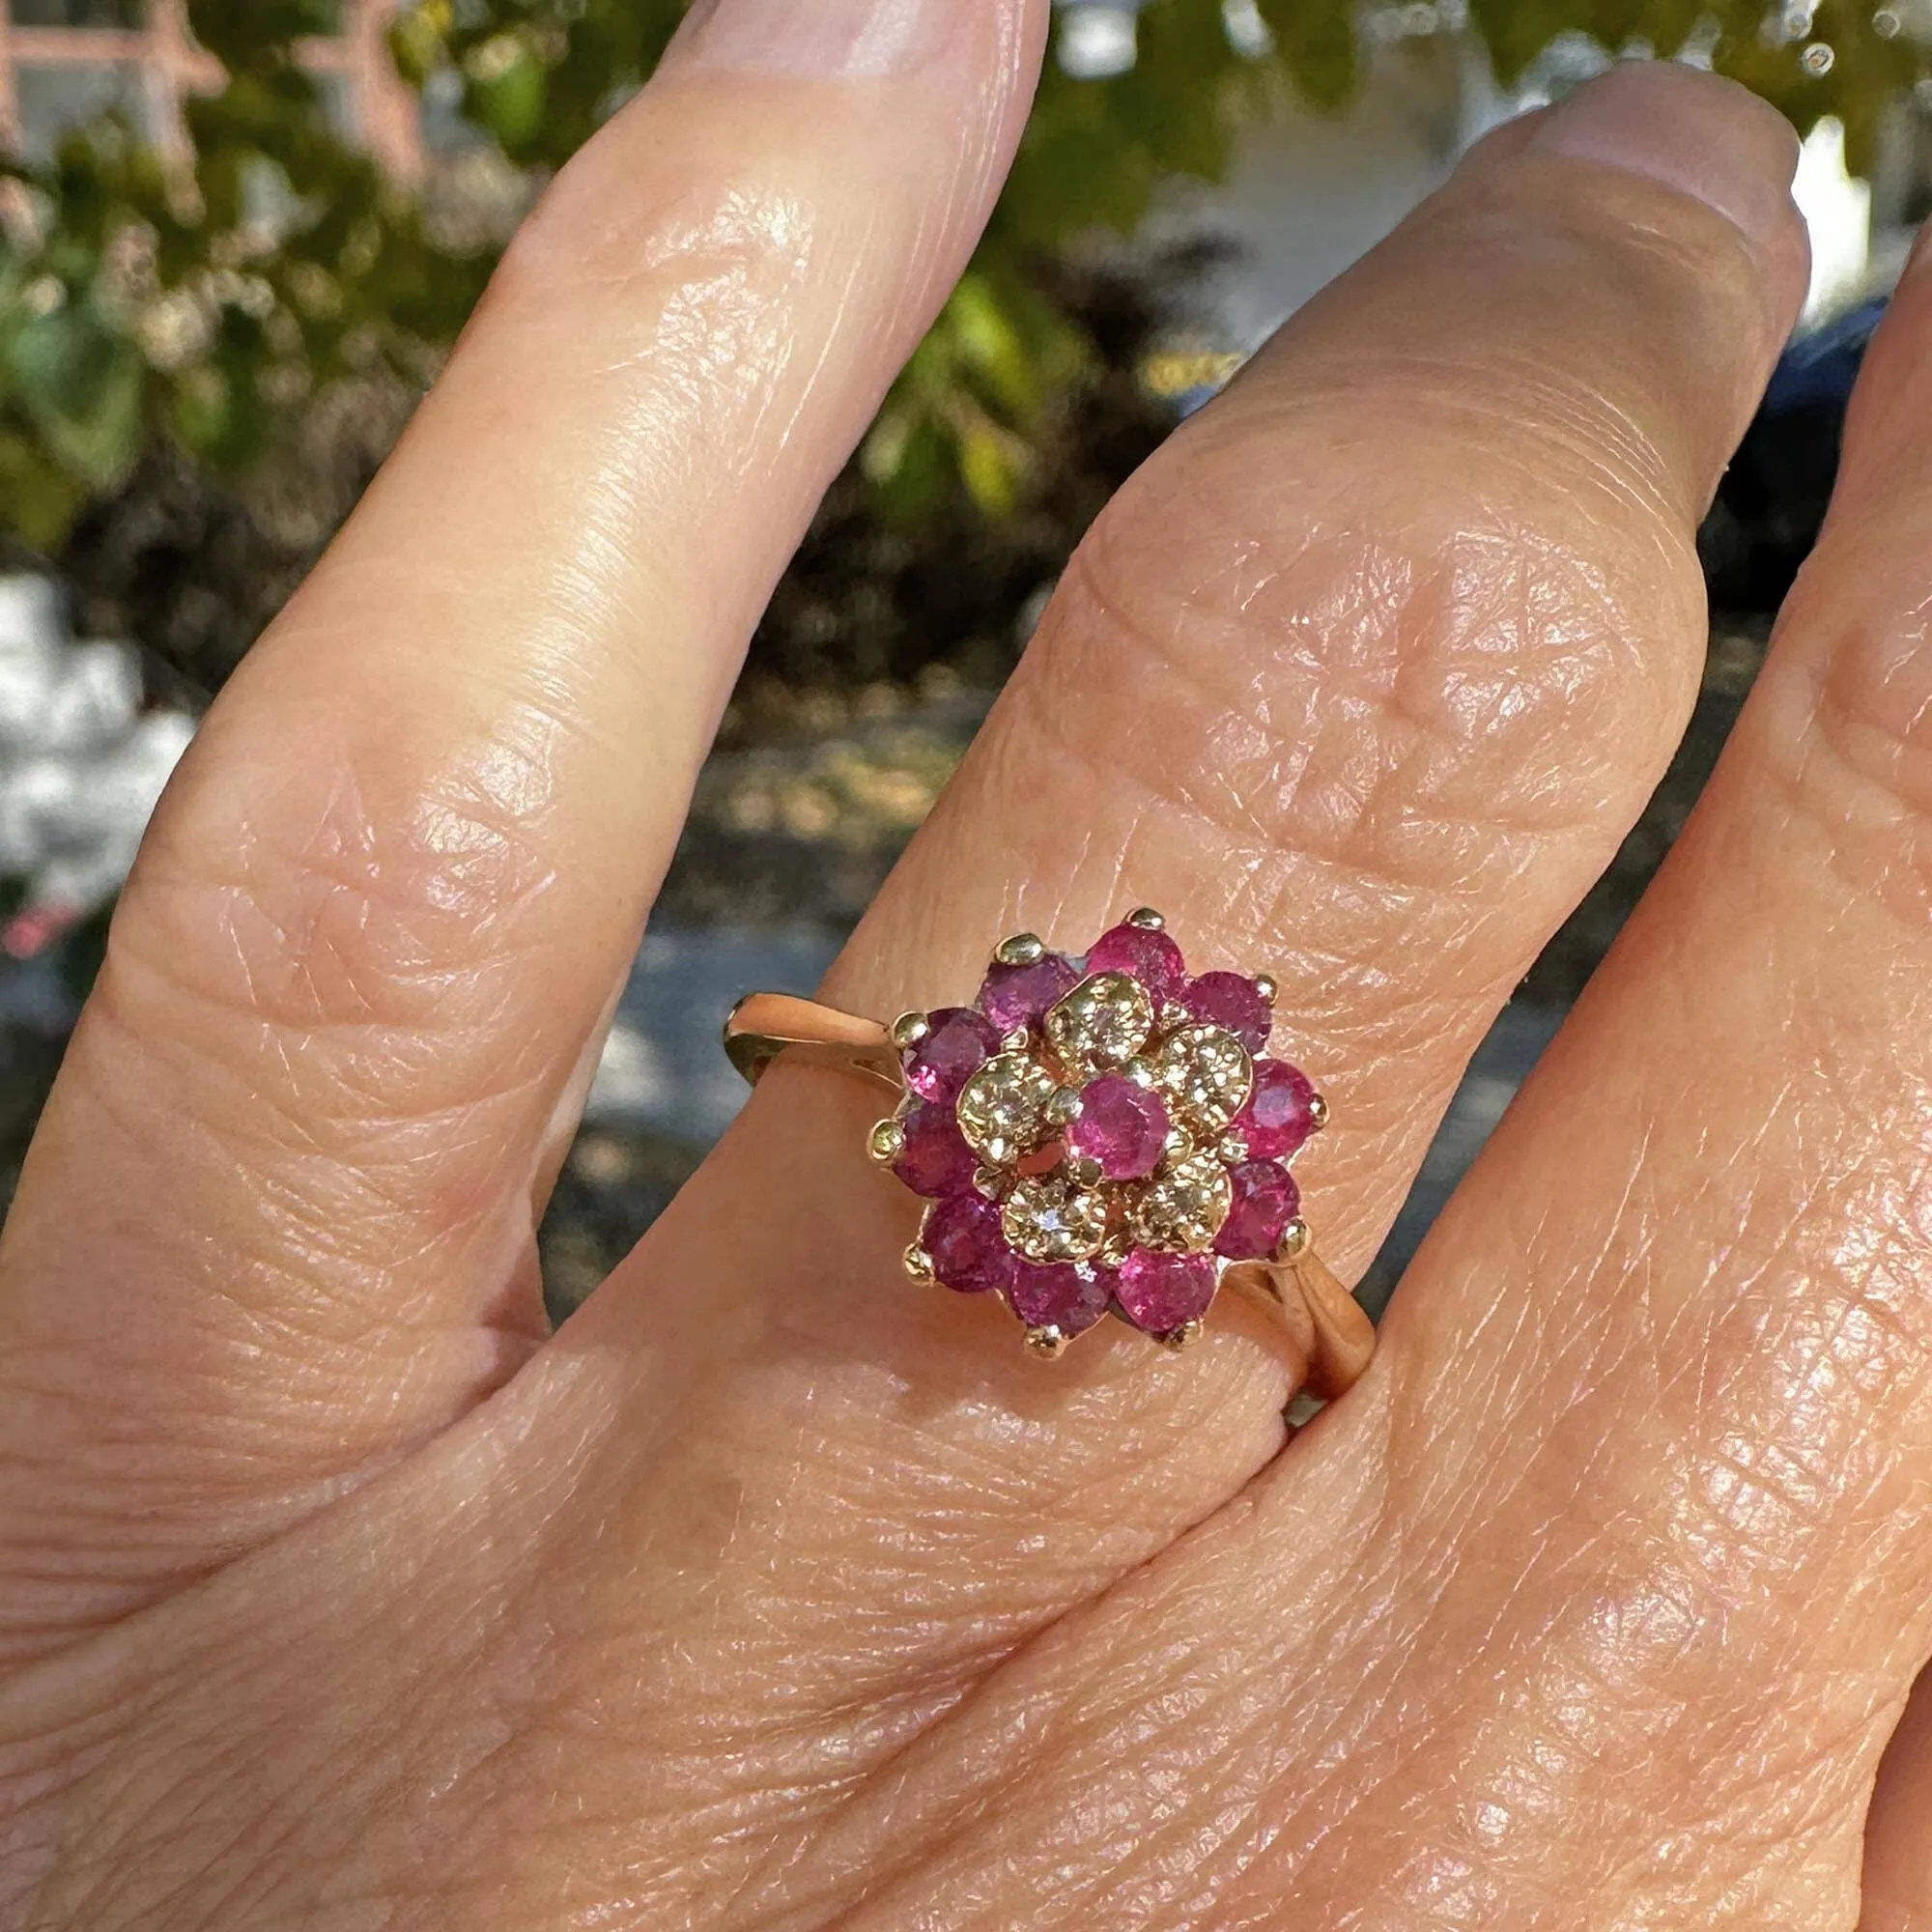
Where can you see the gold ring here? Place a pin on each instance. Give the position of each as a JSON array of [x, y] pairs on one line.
[[1094, 1137]]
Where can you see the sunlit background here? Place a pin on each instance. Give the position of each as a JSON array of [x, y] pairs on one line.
[[238, 236]]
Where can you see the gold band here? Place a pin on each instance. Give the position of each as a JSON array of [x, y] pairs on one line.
[[1322, 1320]]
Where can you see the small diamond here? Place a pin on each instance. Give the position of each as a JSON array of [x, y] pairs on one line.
[[1206, 1075], [1003, 1107], [1051, 1220], [1181, 1210], [1102, 1024]]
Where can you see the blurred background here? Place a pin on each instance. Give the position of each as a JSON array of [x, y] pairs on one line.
[[237, 237]]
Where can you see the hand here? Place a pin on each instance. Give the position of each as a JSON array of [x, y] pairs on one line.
[[774, 1594]]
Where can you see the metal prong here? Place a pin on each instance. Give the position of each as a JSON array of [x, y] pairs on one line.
[[1064, 1109], [1231, 1151], [1318, 1112], [1173, 1015], [1177, 1145], [1184, 1337], [909, 1028], [1141, 1072], [988, 1182], [1023, 949], [1017, 1041], [1046, 1342], [1085, 1173], [1294, 1242], [887, 1142], [998, 1150], [919, 1265], [1147, 919], [1267, 986]]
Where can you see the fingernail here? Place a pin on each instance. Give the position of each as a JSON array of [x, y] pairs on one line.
[[827, 39], [1706, 137]]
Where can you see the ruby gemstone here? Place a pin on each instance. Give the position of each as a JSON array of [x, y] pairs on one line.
[[1122, 1125], [969, 1253], [1233, 1003], [1266, 1200], [1144, 955], [936, 1160], [1160, 1292], [1280, 1114], [1017, 996], [1060, 1296], [958, 1046]]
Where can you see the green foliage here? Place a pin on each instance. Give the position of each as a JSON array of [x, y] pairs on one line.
[[198, 303]]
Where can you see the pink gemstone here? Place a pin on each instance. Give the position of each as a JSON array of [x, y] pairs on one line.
[[951, 1054], [1122, 1125], [1162, 1292], [1280, 1114], [1266, 1200], [936, 1160], [1151, 958], [1017, 996], [1233, 1003], [969, 1252], [1068, 1298]]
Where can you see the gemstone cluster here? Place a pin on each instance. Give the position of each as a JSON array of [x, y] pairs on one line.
[[1100, 1136]]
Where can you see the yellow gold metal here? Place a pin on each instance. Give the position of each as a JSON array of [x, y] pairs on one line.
[[1101, 1025], [1294, 1242], [1185, 1337], [909, 1028], [1002, 1109], [1147, 919], [1182, 1209], [886, 1142], [1231, 1151], [1318, 1112], [1064, 1109], [1017, 1041], [1023, 949], [918, 1265], [1048, 1343], [765, 1025], [1054, 1219], [989, 1182], [1267, 986]]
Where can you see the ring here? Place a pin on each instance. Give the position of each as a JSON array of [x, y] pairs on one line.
[[1094, 1137]]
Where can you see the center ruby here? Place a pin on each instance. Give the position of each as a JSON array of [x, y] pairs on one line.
[[1122, 1125]]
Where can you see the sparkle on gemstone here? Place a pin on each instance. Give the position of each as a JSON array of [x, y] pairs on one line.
[[941, 1063], [1266, 1200], [1018, 996], [1151, 957], [1163, 1293], [969, 1254], [1059, 1296], [1052, 1220], [1233, 1001], [1101, 1024], [1280, 1116], [1182, 1209], [1122, 1126], [1002, 1108], [1206, 1075], [935, 1160]]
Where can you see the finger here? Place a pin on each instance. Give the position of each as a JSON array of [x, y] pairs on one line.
[[1373, 722], [278, 1218]]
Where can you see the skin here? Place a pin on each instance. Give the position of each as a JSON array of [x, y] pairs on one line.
[[770, 1594]]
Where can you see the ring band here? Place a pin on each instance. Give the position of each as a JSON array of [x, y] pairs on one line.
[[1094, 1137]]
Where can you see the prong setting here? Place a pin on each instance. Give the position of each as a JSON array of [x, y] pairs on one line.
[[1047, 1343], [887, 1141], [1184, 1338], [1147, 919], [1023, 949], [909, 1028], [918, 1265], [1294, 1242], [1267, 986], [1318, 1112]]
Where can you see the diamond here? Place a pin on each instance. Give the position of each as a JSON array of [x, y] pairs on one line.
[[1051, 1220], [1002, 1108], [1182, 1209], [1206, 1075], [1101, 1024]]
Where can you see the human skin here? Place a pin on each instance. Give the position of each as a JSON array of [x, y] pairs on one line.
[[771, 1594]]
